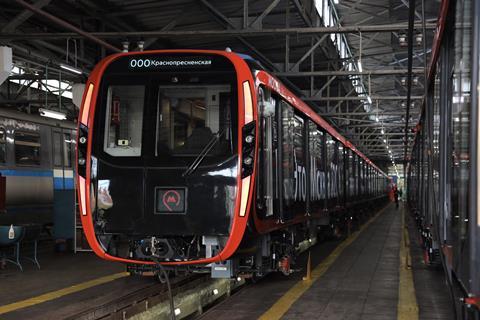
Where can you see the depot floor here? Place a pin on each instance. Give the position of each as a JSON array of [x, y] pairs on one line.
[[353, 278]]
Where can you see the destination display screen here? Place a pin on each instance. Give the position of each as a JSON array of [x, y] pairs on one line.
[[170, 62]]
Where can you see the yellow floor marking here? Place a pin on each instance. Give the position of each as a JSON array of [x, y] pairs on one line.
[[288, 299], [60, 293], [407, 308]]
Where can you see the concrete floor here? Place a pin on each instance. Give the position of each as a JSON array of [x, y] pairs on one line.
[[58, 271], [361, 284], [434, 301]]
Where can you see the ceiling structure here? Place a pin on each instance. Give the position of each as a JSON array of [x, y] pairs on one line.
[[345, 58]]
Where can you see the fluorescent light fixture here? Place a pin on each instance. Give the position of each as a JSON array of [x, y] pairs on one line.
[[369, 99], [52, 114], [376, 119], [336, 1], [384, 140], [360, 68], [71, 68], [383, 131], [402, 39]]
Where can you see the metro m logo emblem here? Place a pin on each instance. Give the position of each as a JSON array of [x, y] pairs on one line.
[[170, 200]]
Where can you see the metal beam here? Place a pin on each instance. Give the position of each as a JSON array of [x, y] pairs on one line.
[[259, 19], [387, 134], [23, 16], [202, 33], [377, 125], [347, 73], [42, 76], [362, 114], [307, 54], [78, 32], [389, 140], [356, 98]]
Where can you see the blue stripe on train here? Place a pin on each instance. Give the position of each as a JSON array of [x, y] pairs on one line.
[[63, 183], [27, 173], [69, 184]]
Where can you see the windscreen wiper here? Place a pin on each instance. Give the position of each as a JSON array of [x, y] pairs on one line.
[[192, 167]]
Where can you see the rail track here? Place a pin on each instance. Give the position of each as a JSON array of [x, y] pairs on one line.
[[192, 293]]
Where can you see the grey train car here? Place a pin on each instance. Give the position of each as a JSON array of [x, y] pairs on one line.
[[36, 158], [443, 182]]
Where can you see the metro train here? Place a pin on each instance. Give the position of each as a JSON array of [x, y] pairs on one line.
[[200, 160], [443, 169], [37, 160]]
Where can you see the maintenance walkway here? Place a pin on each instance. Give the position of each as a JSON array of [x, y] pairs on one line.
[[366, 276]]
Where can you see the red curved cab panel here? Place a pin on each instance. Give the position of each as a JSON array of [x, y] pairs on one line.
[[246, 113]]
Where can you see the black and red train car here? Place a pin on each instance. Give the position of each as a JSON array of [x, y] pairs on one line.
[[201, 159]]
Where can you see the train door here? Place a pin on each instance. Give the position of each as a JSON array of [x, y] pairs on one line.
[[267, 189], [293, 164], [63, 195]]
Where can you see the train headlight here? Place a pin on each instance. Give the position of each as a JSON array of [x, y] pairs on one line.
[[82, 150], [248, 148]]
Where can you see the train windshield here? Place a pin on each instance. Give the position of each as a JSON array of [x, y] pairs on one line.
[[181, 120], [168, 116], [123, 130]]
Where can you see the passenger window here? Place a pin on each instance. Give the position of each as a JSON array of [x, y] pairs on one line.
[[27, 148], [67, 150], [57, 152], [3, 146], [288, 164], [317, 170], [341, 170], [299, 154], [332, 166], [124, 120]]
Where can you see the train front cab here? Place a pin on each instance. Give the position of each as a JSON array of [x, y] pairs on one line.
[[166, 156]]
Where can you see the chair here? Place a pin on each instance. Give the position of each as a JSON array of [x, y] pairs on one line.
[[32, 233], [5, 242]]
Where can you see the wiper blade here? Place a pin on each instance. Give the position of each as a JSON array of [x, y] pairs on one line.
[[192, 167]]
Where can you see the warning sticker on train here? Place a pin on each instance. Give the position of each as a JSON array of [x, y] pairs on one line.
[[170, 200]]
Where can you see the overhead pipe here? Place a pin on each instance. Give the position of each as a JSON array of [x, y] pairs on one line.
[[67, 25], [211, 33]]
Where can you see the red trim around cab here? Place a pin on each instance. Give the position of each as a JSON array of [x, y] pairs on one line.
[[238, 222]]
